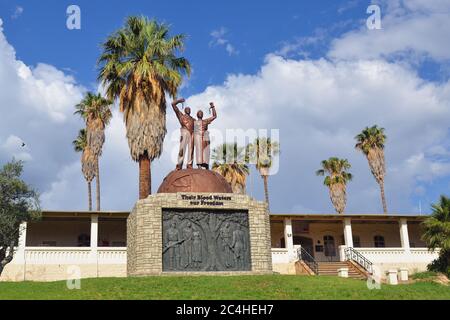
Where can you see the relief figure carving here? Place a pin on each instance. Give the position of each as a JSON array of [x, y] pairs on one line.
[[206, 240]]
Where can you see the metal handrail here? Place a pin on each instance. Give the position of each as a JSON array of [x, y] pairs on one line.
[[306, 257], [354, 255]]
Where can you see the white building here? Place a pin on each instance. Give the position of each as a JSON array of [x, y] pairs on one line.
[[93, 244], [369, 242]]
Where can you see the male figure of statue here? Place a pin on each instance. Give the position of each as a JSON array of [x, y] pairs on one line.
[[225, 235], [239, 247], [201, 138], [187, 134], [187, 244], [172, 241]]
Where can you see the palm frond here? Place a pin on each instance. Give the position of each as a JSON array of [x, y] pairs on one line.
[[336, 179], [437, 227], [139, 65], [79, 144], [229, 161]]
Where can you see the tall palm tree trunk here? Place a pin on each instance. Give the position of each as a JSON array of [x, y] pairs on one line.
[[266, 188], [338, 197], [144, 177], [383, 197], [97, 169], [89, 196]]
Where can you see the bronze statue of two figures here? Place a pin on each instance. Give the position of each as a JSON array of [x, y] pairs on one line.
[[194, 135], [200, 239]]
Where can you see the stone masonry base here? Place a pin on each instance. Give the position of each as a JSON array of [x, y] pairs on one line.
[[144, 232]]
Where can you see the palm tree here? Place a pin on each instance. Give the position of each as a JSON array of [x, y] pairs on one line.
[[371, 142], [87, 161], [336, 180], [96, 112], [437, 233], [139, 66], [261, 152], [229, 161]]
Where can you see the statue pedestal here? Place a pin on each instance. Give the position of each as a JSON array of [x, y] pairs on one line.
[[198, 233]]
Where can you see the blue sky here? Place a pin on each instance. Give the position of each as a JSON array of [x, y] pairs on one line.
[[311, 69], [254, 28]]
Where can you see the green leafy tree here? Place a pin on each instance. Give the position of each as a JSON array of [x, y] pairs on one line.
[[336, 180], [371, 143], [139, 65], [261, 153], [229, 161], [437, 234], [18, 203], [96, 112]]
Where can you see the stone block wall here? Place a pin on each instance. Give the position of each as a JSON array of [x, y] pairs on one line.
[[144, 229]]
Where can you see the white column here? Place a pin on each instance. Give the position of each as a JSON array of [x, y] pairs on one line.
[[342, 256], [94, 234], [404, 237], [20, 253], [22, 236], [348, 235], [288, 239]]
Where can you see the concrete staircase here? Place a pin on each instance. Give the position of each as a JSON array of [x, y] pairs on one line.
[[330, 269]]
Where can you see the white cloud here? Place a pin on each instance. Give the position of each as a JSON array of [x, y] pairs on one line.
[[66, 188], [347, 6], [413, 29], [300, 46], [319, 106], [36, 104], [17, 12], [15, 148], [439, 151], [220, 40], [42, 89]]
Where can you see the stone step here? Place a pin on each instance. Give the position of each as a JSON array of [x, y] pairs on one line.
[[331, 269], [335, 272]]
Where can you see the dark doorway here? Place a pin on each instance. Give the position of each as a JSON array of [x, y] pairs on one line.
[[329, 247], [306, 243]]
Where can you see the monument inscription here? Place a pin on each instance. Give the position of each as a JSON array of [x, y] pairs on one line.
[[205, 240], [206, 200]]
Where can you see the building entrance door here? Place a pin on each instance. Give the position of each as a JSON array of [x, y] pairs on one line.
[[329, 248], [306, 243]]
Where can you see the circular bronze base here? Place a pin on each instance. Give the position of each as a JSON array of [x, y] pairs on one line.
[[194, 180]]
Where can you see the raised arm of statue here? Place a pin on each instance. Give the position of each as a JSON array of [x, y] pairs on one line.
[[214, 113], [175, 108]]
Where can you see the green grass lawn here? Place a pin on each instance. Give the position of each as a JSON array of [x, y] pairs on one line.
[[222, 287]]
